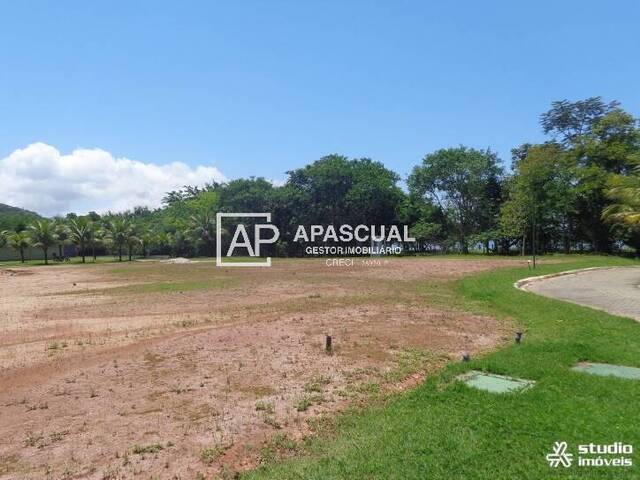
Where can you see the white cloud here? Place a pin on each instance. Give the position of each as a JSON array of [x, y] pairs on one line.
[[42, 179]]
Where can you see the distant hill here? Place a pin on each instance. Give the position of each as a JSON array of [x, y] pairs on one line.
[[12, 217], [4, 208]]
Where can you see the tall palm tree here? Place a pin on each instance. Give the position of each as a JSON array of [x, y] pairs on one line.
[[148, 241], [62, 233], [202, 227], [120, 232], [81, 234], [43, 236], [132, 238], [97, 238], [625, 193], [18, 241]]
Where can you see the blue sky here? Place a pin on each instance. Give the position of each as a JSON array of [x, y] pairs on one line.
[[261, 87]]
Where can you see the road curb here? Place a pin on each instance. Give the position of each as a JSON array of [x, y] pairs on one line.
[[523, 283]]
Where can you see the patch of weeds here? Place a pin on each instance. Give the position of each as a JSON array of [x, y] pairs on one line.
[[267, 407], [32, 439], [209, 454], [322, 425], [153, 358], [271, 420], [408, 362], [57, 436], [317, 384], [268, 456], [185, 323], [151, 448], [276, 448], [303, 404], [53, 346], [281, 441], [368, 388], [110, 474], [178, 390], [318, 398]]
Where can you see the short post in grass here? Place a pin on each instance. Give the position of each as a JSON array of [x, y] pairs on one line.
[[466, 357], [518, 337], [328, 347]]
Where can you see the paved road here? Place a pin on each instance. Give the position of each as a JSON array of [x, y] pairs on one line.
[[615, 290]]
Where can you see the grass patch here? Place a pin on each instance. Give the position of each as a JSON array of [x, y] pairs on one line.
[[303, 404], [173, 287], [445, 430], [210, 454], [266, 407], [151, 448]]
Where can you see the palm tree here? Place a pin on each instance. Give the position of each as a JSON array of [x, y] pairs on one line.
[[18, 241], [81, 233], [202, 227], [62, 234], [97, 238], [132, 238], [147, 241], [43, 236], [625, 193], [120, 232]]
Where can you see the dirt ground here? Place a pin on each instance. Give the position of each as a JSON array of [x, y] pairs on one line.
[[190, 371]]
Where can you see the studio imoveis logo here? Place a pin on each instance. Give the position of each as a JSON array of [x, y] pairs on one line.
[[559, 456]]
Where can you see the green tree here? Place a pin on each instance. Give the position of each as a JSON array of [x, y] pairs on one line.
[[459, 180], [202, 227], [62, 233], [568, 122], [119, 232], [603, 140], [43, 235], [624, 192], [81, 234], [19, 241], [513, 217]]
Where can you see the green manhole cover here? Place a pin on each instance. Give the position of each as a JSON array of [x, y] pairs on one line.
[[605, 370], [494, 383]]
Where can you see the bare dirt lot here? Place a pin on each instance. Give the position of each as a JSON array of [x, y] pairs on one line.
[[191, 371]]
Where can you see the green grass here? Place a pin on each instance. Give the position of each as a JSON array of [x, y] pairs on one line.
[[446, 430], [180, 286]]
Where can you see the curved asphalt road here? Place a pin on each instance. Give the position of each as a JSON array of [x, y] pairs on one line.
[[615, 290]]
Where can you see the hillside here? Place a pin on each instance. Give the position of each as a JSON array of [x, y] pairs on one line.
[[8, 209], [12, 217]]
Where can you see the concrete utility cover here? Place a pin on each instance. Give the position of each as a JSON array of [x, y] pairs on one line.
[[494, 383], [606, 370]]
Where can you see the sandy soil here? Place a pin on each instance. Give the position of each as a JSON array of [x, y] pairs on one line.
[[180, 370]]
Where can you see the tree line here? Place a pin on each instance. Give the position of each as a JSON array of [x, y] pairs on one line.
[[578, 191]]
